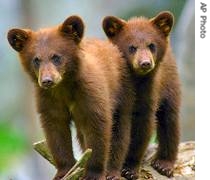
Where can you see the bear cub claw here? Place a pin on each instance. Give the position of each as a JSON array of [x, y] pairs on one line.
[[112, 178], [129, 174], [164, 167], [113, 175]]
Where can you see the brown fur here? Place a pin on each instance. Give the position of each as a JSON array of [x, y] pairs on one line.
[[157, 88], [84, 81]]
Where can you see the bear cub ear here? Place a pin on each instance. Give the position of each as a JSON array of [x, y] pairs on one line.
[[73, 27], [164, 22], [17, 38], [112, 25]]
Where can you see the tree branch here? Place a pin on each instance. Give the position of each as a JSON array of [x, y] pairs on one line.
[[184, 167]]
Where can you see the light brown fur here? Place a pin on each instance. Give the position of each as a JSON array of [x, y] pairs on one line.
[[81, 80], [146, 47]]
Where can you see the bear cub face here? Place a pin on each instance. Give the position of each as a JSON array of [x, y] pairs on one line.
[[142, 41], [41, 54]]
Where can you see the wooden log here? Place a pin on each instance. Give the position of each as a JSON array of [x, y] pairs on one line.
[[184, 167]]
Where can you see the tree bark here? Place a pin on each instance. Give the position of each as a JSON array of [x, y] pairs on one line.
[[184, 167]]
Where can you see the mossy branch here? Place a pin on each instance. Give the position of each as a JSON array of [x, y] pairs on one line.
[[76, 171], [42, 149]]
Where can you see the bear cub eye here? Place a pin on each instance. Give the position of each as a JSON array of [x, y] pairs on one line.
[[36, 62], [152, 47], [56, 59], [132, 49]]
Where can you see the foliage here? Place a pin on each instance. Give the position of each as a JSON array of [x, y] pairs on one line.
[[12, 144]]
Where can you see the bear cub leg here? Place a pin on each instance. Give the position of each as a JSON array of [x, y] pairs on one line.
[[139, 141], [120, 143], [168, 137]]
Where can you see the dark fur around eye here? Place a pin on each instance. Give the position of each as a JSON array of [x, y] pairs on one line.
[[36, 62], [56, 60], [132, 49], [152, 47]]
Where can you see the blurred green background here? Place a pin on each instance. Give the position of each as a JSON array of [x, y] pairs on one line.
[[19, 123]]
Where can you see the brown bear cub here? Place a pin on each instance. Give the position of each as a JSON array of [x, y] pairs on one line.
[[81, 80], [145, 45]]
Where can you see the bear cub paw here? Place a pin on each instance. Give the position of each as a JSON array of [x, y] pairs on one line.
[[94, 176], [164, 167], [129, 174], [61, 173], [112, 178], [113, 175]]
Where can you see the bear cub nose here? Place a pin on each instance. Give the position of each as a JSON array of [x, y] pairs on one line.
[[47, 82], [145, 64]]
